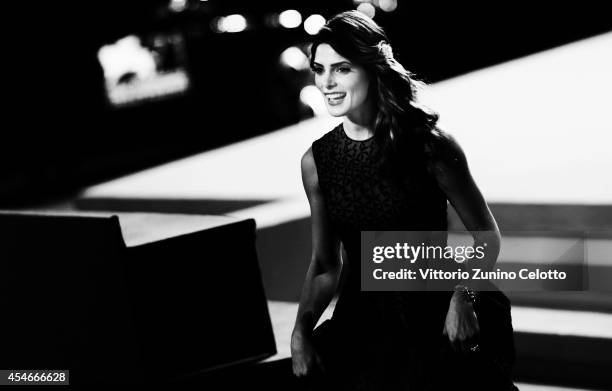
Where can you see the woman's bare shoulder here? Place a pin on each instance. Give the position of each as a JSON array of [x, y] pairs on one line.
[[310, 178], [308, 161], [443, 148]]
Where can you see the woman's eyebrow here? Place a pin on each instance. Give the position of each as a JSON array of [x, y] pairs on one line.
[[334, 65]]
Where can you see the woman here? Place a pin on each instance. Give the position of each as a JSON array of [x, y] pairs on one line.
[[387, 166]]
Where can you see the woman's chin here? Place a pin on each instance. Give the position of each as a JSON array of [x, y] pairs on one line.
[[336, 111]]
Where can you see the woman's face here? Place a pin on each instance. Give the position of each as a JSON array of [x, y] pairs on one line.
[[343, 83]]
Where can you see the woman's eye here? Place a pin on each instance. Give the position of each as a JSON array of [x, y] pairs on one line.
[[344, 69], [318, 71]]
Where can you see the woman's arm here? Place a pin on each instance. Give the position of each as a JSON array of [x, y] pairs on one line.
[[323, 273], [451, 170], [449, 165]]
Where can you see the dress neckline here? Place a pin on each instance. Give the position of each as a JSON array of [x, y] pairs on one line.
[[352, 139]]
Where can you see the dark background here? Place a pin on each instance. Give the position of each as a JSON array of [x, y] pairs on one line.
[[60, 134]]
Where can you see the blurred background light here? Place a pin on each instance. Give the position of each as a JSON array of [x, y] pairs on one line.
[[313, 24], [230, 24], [126, 55], [387, 5], [311, 96], [290, 19], [367, 9], [294, 58], [178, 5]]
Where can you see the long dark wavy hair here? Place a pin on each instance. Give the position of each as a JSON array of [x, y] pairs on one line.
[[402, 128]]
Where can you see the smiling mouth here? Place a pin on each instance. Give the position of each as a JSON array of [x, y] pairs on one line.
[[335, 97]]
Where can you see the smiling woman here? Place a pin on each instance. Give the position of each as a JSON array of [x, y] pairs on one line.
[[388, 167], [344, 84]]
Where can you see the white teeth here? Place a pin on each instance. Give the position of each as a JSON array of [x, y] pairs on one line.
[[336, 95]]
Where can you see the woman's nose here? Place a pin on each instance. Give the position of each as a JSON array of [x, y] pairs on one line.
[[330, 81]]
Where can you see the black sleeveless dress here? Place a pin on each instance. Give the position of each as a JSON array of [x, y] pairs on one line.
[[394, 340]]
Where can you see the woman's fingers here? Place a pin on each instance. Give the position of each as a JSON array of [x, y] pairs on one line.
[[301, 366], [299, 369], [304, 367], [463, 339], [462, 329]]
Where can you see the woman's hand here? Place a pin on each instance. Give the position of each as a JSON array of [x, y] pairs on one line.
[[305, 359], [461, 325]]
